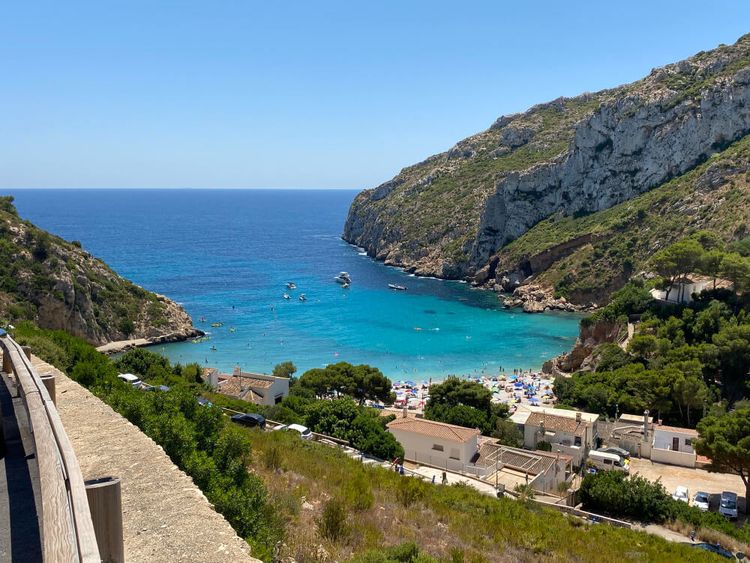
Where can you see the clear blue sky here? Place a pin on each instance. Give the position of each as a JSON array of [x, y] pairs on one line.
[[303, 94]]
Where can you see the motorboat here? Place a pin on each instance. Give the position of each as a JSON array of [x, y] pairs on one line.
[[397, 287], [343, 278], [291, 285], [302, 297], [286, 296]]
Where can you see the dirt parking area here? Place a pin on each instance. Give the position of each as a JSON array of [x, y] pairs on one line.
[[694, 479]]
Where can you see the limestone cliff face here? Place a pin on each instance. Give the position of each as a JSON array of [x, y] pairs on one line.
[[59, 285], [450, 214]]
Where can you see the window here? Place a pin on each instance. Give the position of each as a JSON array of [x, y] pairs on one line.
[[437, 447], [688, 441], [577, 441]]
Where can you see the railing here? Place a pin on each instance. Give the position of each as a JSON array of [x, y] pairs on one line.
[[65, 524]]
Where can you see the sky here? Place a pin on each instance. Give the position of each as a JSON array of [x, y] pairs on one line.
[[303, 94]]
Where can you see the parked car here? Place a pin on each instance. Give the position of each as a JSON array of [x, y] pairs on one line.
[[682, 494], [130, 378], [304, 431], [701, 501], [728, 505], [204, 402], [250, 419], [624, 454]]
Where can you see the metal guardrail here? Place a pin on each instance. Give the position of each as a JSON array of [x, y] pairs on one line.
[[65, 524]]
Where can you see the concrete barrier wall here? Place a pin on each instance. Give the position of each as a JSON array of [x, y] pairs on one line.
[[683, 459]]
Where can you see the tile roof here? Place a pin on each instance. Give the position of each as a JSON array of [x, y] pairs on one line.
[[556, 423], [433, 428], [234, 387], [256, 382]]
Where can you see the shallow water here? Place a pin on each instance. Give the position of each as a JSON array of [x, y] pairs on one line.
[[227, 254]]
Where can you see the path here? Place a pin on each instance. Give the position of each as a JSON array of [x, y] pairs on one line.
[[165, 515], [631, 332]]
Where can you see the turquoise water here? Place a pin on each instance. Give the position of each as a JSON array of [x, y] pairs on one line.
[[227, 254]]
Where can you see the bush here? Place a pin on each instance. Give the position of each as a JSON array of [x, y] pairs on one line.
[[357, 493], [332, 524], [614, 493], [409, 490]]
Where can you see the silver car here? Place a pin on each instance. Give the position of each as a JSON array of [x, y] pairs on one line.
[[701, 501]]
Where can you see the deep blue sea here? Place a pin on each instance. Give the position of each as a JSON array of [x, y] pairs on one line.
[[227, 254]]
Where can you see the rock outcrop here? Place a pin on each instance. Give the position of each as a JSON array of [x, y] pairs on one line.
[[581, 357], [537, 299], [450, 214], [58, 285]]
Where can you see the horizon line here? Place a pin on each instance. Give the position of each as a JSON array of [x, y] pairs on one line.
[[309, 188]]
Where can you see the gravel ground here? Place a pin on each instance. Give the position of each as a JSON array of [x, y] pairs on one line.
[[165, 516], [694, 479]]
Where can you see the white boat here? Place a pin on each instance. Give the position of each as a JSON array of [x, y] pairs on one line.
[[397, 287], [345, 285], [302, 297], [343, 278], [291, 285], [286, 296]]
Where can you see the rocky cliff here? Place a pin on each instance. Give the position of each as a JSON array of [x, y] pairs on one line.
[[449, 215], [58, 285]]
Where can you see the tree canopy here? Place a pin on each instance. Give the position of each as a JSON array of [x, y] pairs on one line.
[[464, 403], [361, 382]]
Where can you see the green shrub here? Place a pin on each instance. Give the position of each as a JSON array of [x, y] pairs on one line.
[[409, 490], [332, 524], [357, 493]]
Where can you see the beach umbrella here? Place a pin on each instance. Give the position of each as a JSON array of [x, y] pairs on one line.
[[534, 401], [518, 385]]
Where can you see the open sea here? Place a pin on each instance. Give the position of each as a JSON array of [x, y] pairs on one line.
[[226, 255]]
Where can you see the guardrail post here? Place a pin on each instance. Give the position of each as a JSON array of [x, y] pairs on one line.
[[7, 363], [105, 503], [49, 382]]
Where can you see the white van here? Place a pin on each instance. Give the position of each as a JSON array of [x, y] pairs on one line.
[[130, 378], [607, 461]]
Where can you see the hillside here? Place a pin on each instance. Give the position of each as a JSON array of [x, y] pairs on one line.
[[58, 285], [449, 215], [586, 258]]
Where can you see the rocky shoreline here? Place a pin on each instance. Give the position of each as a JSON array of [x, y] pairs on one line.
[[533, 298], [119, 346]]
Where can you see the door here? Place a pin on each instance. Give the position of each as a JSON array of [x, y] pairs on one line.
[[675, 444]]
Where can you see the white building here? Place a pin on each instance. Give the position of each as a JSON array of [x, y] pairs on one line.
[[255, 388], [674, 445], [684, 288], [436, 443], [572, 433]]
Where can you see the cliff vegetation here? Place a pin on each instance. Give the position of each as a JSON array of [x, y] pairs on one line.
[[58, 285], [575, 167]]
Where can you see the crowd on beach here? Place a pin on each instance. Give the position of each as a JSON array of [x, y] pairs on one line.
[[521, 387]]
